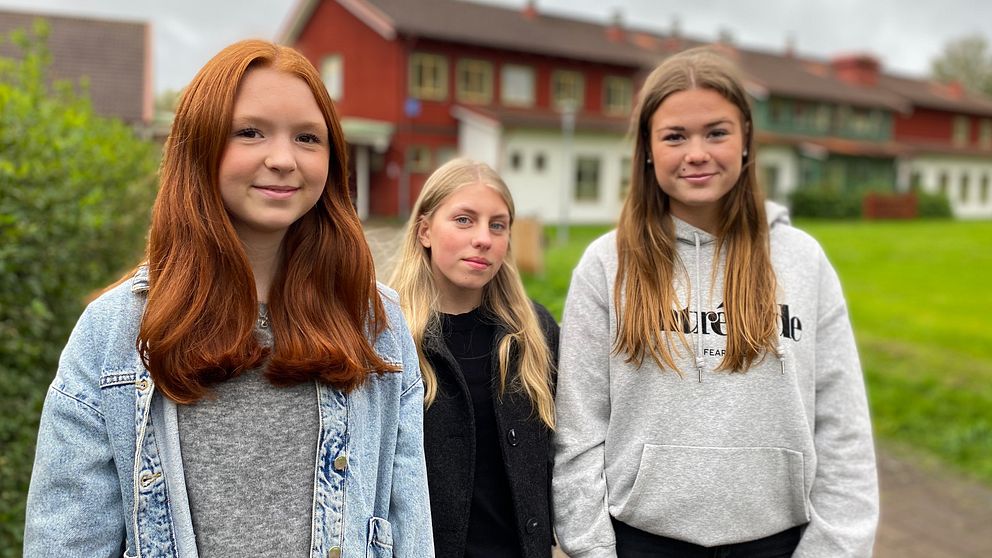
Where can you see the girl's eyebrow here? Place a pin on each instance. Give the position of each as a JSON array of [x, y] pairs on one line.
[[469, 210], [719, 122], [240, 119]]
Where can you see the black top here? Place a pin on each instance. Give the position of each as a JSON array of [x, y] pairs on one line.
[[522, 446], [471, 338]]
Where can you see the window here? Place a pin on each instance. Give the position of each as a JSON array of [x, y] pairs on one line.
[[332, 72], [587, 179], [428, 76], [942, 183], [517, 85], [962, 127], [474, 83], [445, 154], [566, 89], [618, 95], [540, 161], [963, 192], [778, 110], [864, 122], [624, 177], [915, 181], [418, 159], [516, 160], [985, 133], [983, 189]]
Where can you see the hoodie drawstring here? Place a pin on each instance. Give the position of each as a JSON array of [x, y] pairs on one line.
[[699, 314]]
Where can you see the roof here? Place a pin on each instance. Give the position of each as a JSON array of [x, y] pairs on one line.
[[805, 78], [492, 26], [112, 55], [511, 28], [934, 95]]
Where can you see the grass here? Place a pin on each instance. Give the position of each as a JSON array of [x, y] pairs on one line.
[[919, 301]]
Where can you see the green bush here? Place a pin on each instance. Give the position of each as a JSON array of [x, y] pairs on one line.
[[935, 206], [75, 194], [827, 203]]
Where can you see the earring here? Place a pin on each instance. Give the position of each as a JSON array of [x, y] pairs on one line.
[[649, 160], [745, 152]]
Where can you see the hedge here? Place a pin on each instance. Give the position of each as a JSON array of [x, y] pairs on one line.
[[75, 194]]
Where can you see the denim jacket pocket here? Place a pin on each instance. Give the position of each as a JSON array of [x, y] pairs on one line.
[[380, 539]]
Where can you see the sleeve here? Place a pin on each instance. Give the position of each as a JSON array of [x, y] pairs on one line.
[[844, 496], [409, 508], [582, 400], [74, 505]]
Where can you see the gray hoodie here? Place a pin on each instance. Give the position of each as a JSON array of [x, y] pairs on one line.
[[712, 457]]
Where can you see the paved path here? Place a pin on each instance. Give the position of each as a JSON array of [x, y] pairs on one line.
[[926, 511]]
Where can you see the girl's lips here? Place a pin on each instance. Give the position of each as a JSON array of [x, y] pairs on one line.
[[277, 192], [476, 263], [697, 178]]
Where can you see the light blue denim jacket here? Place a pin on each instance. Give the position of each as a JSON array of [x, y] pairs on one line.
[[108, 477]]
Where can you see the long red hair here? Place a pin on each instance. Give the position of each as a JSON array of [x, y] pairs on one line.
[[199, 321]]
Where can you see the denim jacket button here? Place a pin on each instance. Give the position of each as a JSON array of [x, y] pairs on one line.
[[532, 525], [511, 436], [146, 479], [334, 552], [341, 462], [142, 384]]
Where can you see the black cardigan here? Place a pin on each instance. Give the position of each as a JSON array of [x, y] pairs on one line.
[[449, 445]]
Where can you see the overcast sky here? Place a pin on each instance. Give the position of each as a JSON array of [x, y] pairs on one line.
[[905, 34]]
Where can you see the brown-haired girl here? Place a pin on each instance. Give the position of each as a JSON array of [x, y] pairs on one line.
[[710, 400], [248, 391]]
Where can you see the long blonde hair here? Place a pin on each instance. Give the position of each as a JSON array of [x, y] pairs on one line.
[[644, 293], [503, 296]]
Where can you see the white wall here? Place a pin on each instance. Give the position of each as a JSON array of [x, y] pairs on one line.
[[783, 158], [966, 206], [539, 192], [479, 139]]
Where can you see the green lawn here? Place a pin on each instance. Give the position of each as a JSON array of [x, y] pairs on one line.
[[920, 303]]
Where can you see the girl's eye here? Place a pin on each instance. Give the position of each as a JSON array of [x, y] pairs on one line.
[[308, 138], [672, 138], [250, 133], [719, 133], [498, 226], [462, 220]]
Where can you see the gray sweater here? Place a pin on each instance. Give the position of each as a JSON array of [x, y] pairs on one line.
[[712, 457]]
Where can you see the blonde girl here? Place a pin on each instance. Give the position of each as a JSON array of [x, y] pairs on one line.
[[486, 355]]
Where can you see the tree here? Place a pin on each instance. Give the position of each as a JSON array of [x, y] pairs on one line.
[[75, 196], [968, 61]]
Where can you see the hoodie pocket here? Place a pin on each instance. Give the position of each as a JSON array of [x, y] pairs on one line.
[[713, 496], [380, 539]]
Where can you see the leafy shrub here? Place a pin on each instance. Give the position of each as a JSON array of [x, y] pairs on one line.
[[75, 194], [823, 202], [931, 205]]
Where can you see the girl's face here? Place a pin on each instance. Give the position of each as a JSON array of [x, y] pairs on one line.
[[697, 148], [468, 236], [275, 163]]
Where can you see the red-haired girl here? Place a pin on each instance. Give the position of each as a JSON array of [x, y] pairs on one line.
[[249, 390]]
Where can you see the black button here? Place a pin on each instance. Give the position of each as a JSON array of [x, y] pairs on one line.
[[532, 525], [511, 436]]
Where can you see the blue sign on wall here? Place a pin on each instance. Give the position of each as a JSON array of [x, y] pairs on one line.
[[411, 107]]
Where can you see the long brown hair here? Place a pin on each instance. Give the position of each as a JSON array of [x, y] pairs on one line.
[[504, 296], [644, 293], [199, 321]]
